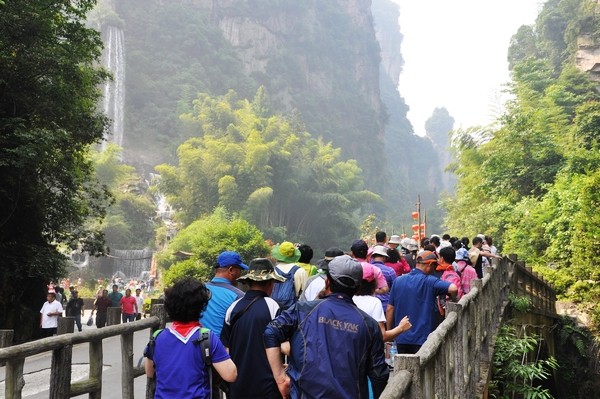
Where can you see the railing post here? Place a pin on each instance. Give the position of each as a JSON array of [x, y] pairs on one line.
[[6, 337], [113, 316], [159, 311], [60, 370], [96, 362], [458, 348], [412, 363], [14, 381], [127, 366]]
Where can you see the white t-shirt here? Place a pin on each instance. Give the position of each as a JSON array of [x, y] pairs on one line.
[[312, 290], [371, 306], [300, 276], [50, 321], [140, 303]]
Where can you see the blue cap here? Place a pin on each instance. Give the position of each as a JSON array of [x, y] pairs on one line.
[[230, 258]]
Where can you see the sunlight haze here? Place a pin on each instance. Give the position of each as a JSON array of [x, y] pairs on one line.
[[455, 56]]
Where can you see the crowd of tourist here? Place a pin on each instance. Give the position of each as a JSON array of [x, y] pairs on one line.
[[300, 329]]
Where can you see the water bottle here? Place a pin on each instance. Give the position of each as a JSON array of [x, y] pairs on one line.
[[393, 353]]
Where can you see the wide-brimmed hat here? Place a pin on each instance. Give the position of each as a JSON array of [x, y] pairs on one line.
[[380, 250], [395, 239], [286, 252], [261, 269]]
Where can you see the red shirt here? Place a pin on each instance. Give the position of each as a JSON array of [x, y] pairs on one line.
[[128, 304]]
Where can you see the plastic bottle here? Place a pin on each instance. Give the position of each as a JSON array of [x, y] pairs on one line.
[[393, 353]]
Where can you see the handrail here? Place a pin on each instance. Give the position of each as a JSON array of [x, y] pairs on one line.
[[454, 361], [61, 346]]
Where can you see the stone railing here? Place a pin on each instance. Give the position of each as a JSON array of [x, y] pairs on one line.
[[454, 361]]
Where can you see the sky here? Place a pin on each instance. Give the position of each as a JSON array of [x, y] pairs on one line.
[[455, 56]]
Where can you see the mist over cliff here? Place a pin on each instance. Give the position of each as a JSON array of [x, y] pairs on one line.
[[333, 66]]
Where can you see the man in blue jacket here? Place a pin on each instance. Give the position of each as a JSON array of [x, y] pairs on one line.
[[334, 345]]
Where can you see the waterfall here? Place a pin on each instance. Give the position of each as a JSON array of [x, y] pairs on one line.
[[114, 90], [131, 262]]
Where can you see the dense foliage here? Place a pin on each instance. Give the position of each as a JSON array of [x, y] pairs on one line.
[[267, 168], [205, 239], [48, 119], [533, 183], [129, 221]]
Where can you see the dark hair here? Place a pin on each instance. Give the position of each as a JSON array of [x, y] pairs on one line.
[[446, 237], [334, 286], [435, 240], [52, 293], [367, 287], [306, 253], [360, 252], [380, 236], [448, 254], [186, 300], [454, 239], [393, 255], [114, 285], [429, 247], [424, 241], [477, 240], [465, 241], [489, 241], [457, 244]]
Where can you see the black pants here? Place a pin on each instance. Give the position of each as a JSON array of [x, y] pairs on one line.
[[100, 320], [408, 348], [48, 332]]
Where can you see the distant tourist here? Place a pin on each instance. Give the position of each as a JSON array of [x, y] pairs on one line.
[[75, 309], [101, 307], [115, 296], [128, 307], [49, 314], [140, 303]]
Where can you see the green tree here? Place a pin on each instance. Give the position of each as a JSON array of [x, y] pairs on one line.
[[48, 120], [268, 169], [205, 239], [129, 220]]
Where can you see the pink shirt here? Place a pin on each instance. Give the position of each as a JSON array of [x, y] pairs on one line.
[[467, 273], [128, 305]]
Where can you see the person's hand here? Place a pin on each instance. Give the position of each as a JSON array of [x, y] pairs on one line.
[[405, 324], [284, 385]]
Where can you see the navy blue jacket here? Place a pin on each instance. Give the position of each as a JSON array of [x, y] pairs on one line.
[[334, 347]]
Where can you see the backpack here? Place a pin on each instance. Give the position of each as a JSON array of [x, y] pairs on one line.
[[285, 293], [203, 340], [453, 277]]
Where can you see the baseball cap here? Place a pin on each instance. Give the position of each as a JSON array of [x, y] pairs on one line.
[[330, 253], [230, 258], [346, 271], [427, 257]]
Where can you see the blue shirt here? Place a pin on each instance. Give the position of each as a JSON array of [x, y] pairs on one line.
[[115, 299], [180, 369], [414, 295], [223, 295], [334, 347], [390, 276]]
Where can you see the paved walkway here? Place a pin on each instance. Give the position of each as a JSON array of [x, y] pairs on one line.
[[37, 368]]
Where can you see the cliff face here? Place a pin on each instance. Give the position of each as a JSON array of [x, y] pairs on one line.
[[259, 37]]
